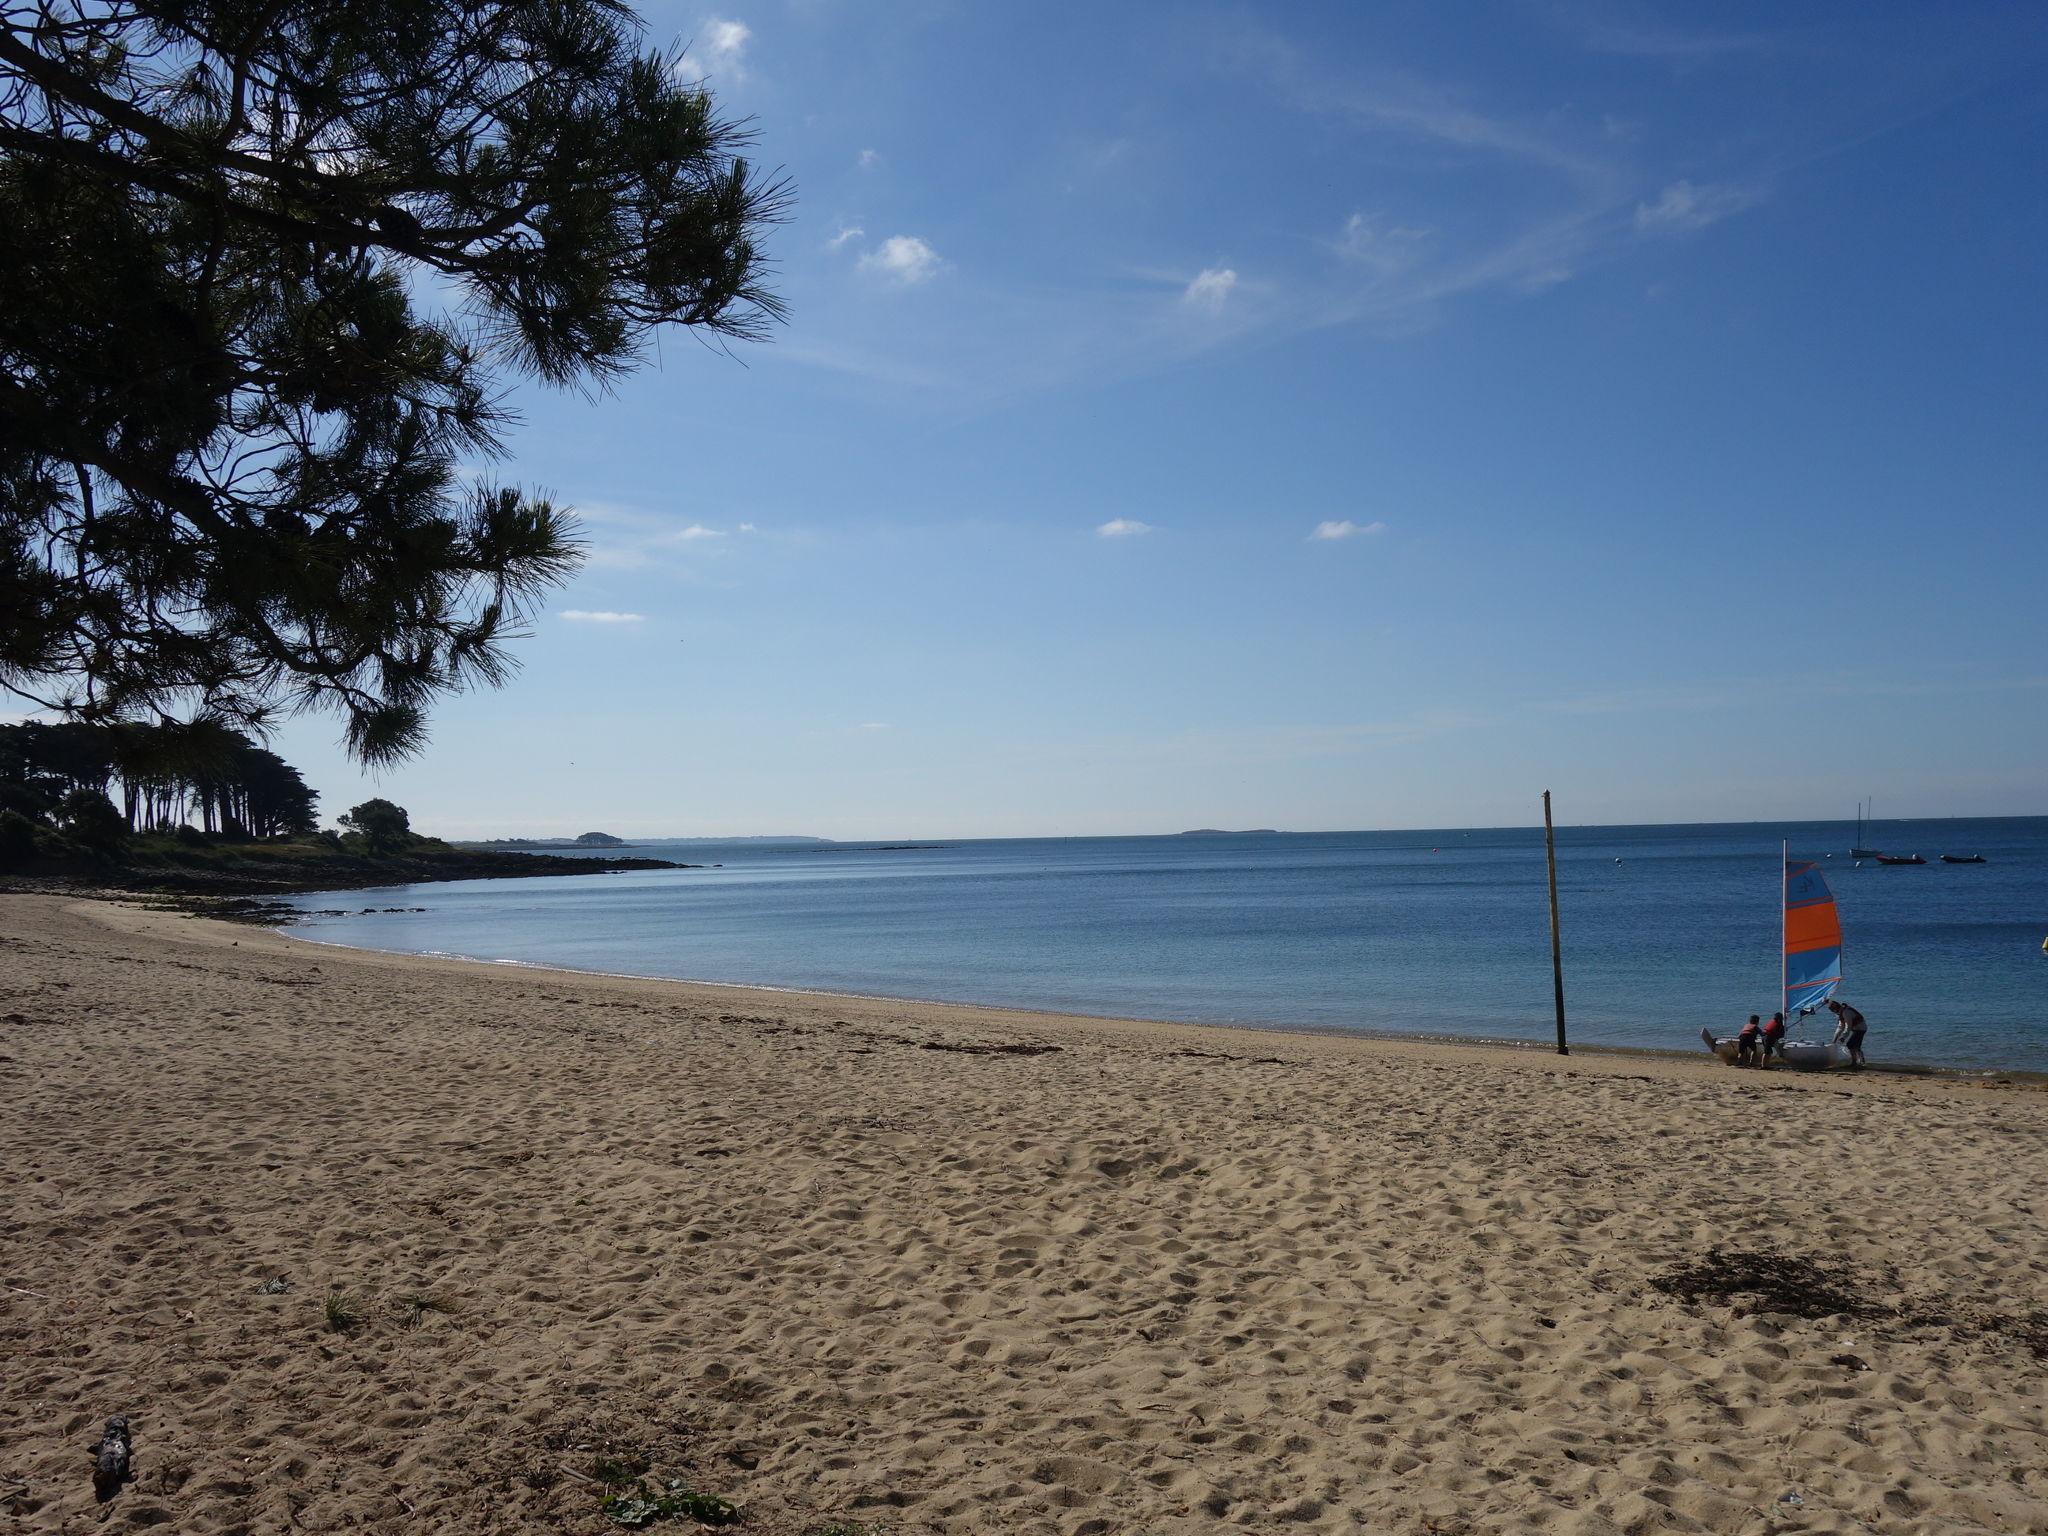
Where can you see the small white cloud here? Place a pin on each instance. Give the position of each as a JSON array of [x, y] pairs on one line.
[[696, 531], [1386, 247], [719, 51], [1684, 206], [746, 528], [600, 616], [868, 160], [902, 258], [1122, 528], [1344, 528], [874, 725], [1210, 288], [846, 232]]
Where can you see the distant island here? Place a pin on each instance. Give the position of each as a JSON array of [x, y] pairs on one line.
[[606, 840], [587, 840], [759, 837], [1228, 832]]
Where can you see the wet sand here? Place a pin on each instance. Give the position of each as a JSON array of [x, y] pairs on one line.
[[850, 1260]]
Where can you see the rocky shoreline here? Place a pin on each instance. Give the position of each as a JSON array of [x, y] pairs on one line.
[[253, 886]]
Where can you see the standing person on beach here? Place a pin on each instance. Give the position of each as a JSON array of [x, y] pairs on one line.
[[1774, 1039], [1849, 1030]]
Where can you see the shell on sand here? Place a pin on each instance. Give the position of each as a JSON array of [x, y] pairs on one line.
[[1162, 1280]]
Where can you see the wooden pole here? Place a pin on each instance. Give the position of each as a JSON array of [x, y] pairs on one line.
[[1556, 953]]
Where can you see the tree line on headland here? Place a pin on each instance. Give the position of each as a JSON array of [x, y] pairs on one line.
[[200, 806], [157, 777], [71, 789]]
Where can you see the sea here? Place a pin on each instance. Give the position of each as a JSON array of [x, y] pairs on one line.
[[1665, 929]]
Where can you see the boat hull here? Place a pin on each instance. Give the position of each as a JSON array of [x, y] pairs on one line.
[[1806, 1055]]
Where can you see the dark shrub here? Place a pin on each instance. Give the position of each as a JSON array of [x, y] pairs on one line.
[[27, 799], [89, 818], [17, 839]]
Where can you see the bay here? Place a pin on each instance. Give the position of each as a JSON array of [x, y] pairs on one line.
[[1666, 928]]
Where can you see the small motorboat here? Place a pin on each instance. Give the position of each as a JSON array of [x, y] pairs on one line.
[[1962, 858], [1892, 858]]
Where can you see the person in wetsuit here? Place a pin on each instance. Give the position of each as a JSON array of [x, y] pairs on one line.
[[1849, 1030]]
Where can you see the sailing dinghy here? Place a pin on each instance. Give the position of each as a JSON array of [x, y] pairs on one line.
[[1810, 967]]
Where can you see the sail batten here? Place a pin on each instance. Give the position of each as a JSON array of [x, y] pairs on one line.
[[1813, 939]]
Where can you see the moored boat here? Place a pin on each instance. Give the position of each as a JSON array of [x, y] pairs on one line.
[[1909, 858], [1962, 858]]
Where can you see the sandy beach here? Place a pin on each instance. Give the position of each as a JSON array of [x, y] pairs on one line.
[[944, 1269]]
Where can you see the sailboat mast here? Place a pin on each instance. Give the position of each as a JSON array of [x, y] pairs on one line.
[[1784, 866]]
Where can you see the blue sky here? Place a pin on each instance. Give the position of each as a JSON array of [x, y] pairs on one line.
[[1667, 385]]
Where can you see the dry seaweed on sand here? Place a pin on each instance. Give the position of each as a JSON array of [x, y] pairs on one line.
[[1812, 1288], [1783, 1282]]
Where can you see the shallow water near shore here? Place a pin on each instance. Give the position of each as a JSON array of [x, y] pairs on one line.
[[1666, 929]]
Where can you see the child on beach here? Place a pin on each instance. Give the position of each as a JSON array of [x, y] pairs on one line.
[[1774, 1039], [1749, 1043]]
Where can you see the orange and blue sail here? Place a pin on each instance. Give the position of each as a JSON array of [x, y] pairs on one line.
[[1813, 939]]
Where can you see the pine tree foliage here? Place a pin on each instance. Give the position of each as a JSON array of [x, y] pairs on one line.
[[267, 268]]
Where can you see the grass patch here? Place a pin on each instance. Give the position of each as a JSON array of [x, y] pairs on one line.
[[343, 1315], [412, 1307]]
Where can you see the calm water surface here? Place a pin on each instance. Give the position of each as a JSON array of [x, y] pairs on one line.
[[1404, 932]]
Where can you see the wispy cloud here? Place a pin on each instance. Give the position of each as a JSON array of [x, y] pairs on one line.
[[1636, 39], [1210, 288], [868, 159], [1683, 206], [1396, 271], [1121, 528], [1368, 239], [874, 725], [1344, 528], [1403, 105], [719, 52], [1441, 231], [694, 532], [904, 259], [601, 616], [846, 232], [1696, 697]]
